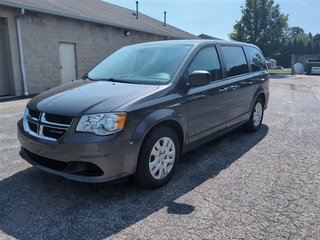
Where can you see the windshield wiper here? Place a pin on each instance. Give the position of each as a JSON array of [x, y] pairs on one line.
[[86, 77], [122, 81]]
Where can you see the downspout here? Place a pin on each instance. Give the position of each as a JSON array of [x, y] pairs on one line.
[[23, 72]]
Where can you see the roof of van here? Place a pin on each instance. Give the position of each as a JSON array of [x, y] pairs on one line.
[[198, 42]]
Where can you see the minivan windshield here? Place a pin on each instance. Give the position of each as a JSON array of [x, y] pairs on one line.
[[141, 64]]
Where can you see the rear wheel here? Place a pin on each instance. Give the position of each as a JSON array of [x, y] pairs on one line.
[[158, 158], [256, 117]]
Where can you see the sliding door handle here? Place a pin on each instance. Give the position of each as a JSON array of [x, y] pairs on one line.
[[223, 90]]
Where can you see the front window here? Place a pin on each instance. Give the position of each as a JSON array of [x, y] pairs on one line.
[[142, 64], [207, 59]]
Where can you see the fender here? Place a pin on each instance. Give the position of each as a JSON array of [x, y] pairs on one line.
[[155, 118], [261, 89], [148, 123]]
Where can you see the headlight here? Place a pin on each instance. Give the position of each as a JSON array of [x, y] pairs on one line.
[[102, 124]]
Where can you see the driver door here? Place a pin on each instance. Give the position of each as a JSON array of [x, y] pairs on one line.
[[207, 105]]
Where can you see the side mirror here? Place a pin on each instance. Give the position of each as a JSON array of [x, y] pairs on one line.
[[199, 78]]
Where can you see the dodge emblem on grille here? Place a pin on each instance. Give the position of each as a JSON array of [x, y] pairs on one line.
[[56, 131]]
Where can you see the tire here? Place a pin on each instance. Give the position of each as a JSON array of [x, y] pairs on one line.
[[158, 158], [256, 116]]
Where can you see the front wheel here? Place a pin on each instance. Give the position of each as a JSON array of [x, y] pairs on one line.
[[256, 116], [158, 158]]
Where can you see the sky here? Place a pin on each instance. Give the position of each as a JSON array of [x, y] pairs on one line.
[[217, 17]]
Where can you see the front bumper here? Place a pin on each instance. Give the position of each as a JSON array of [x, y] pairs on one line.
[[81, 157]]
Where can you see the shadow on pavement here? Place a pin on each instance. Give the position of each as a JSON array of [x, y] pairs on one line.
[[37, 205]]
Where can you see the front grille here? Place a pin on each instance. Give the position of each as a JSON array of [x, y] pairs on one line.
[[58, 119], [45, 125], [34, 114], [53, 132], [33, 126]]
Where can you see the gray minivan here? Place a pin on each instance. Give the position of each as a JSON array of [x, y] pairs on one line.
[[143, 106]]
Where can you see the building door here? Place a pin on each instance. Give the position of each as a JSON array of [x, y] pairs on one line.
[[67, 62], [4, 81]]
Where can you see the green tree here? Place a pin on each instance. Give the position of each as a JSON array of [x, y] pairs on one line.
[[316, 47], [301, 47], [295, 31], [309, 48], [300, 43], [316, 39], [295, 46], [262, 24], [303, 37], [284, 58]]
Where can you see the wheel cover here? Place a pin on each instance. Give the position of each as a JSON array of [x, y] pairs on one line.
[[257, 114], [162, 158]]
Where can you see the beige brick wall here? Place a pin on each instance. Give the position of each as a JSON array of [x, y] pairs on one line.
[[41, 34]]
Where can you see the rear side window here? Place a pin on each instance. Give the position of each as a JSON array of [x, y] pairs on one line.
[[207, 59], [235, 60], [255, 59]]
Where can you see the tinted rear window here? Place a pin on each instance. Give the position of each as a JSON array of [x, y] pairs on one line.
[[255, 59], [235, 60]]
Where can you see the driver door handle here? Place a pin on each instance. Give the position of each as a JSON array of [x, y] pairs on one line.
[[234, 87]]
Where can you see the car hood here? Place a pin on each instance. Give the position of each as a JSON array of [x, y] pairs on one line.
[[86, 97]]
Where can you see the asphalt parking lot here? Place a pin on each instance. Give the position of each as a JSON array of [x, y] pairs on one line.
[[264, 185]]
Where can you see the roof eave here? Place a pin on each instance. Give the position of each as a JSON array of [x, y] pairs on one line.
[[34, 9]]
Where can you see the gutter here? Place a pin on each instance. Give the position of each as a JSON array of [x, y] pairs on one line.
[[23, 72], [21, 56]]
